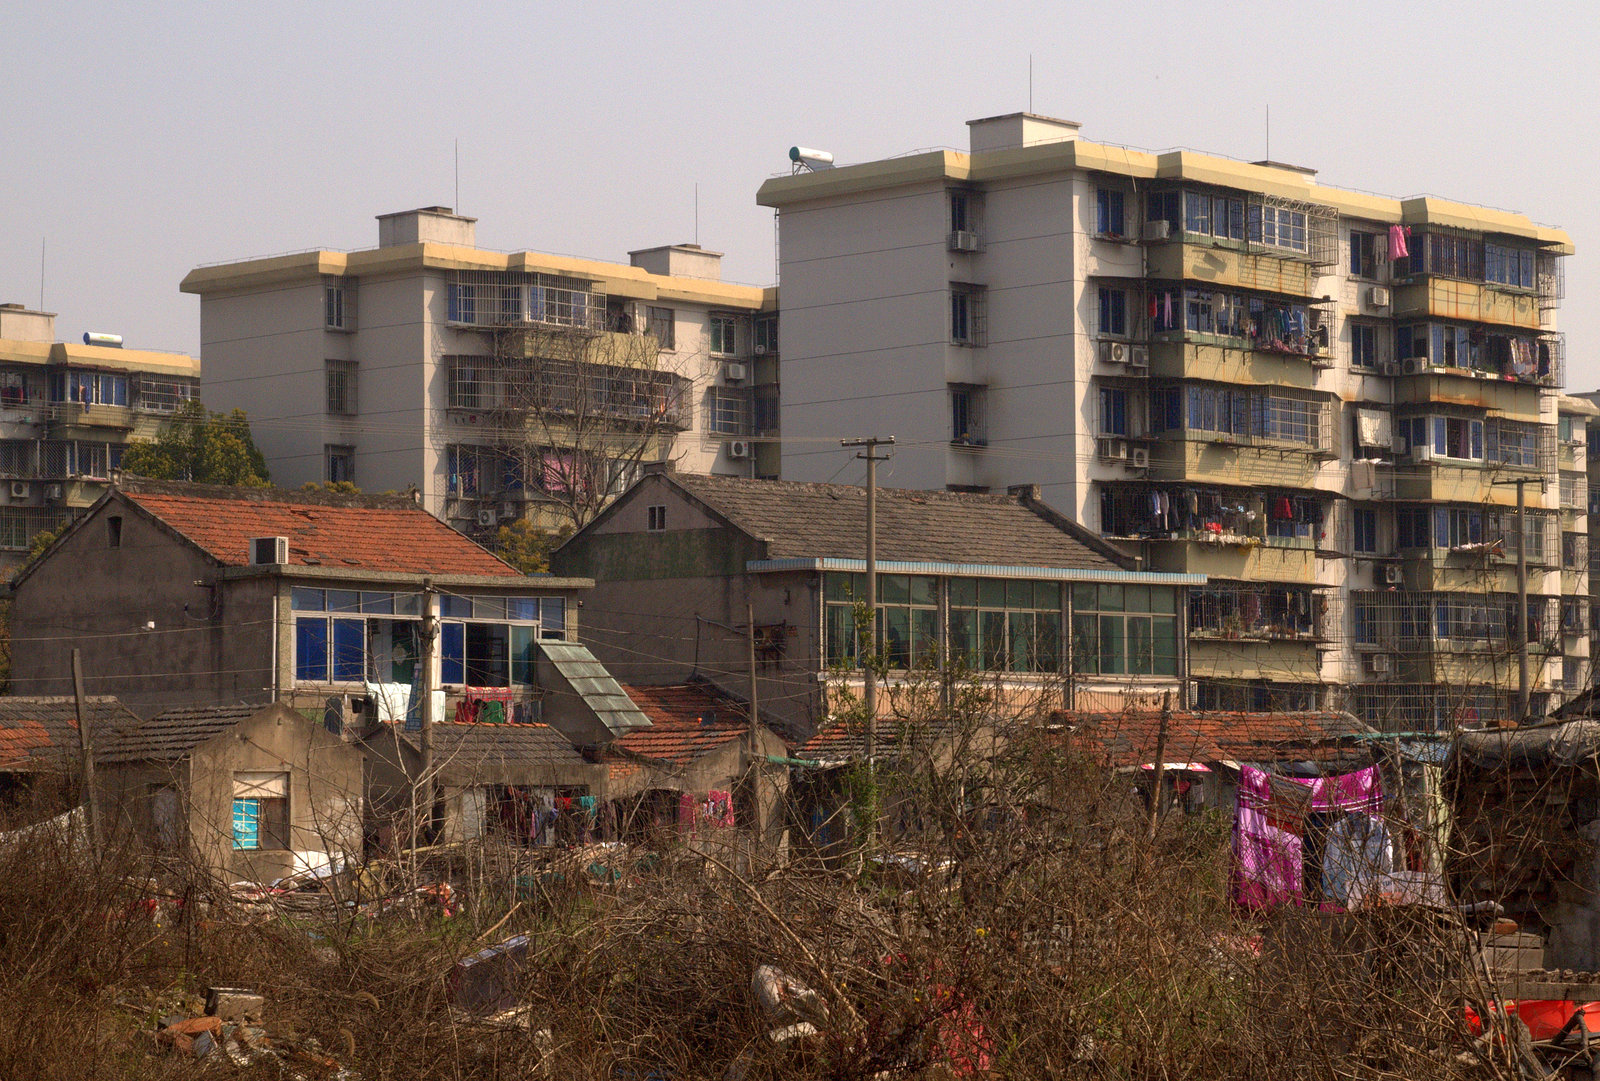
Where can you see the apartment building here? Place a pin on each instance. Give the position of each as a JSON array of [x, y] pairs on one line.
[[499, 385], [67, 411], [1323, 400]]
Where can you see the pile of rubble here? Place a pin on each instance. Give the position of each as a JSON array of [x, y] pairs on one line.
[[231, 1031]]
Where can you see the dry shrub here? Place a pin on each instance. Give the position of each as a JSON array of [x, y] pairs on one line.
[[1063, 939]]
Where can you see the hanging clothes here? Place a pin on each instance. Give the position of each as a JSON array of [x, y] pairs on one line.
[[1397, 242], [1269, 827]]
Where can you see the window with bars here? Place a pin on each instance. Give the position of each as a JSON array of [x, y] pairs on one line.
[[967, 322], [341, 461], [724, 335], [661, 322], [341, 387], [338, 305], [728, 411], [164, 395], [19, 525]]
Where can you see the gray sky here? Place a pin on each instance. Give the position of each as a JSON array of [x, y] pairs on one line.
[[142, 140]]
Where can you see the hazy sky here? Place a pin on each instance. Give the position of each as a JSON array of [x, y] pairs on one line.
[[143, 140]]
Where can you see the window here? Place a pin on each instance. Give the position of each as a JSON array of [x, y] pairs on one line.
[[728, 411], [1109, 216], [1114, 411], [462, 303], [1006, 625], [19, 525], [1277, 227], [14, 388], [338, 308], [1364, 522], [260, 811], [114, 531], [1364, 249], [1508, 266], [89, 388], [1124, 630], [967, 427], [341, 387], [341, 463], [766, 335], [962, 216], [1113, 312], [723, 337], [158, 395], [966, 315], [471, 385], [1253, 612], [661, 323], [1164, 206], [1363, 345], [657, 518]]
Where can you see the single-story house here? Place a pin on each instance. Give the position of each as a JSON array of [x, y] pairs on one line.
[[41, 754]]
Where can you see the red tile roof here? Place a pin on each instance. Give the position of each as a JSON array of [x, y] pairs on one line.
[[1129, 739], [687, 720], [369, 533]]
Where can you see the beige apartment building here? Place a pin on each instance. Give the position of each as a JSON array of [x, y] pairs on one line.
[[500, 385], [67, 411], [1323, 400]]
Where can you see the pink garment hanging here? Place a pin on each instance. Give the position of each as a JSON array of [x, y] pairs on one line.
[[1268, 864], [1397, 242]]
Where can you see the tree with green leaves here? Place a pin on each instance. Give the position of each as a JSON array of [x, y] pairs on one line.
[[527, 548], [201, 446]]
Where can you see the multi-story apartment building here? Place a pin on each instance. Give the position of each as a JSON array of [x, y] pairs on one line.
[[1321, 399], [499, 385], [67, 410]]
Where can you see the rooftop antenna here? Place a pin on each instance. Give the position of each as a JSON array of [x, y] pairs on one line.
[[1030, 82], [1269, 132], [697, 213], [41, 273], [457, 207]]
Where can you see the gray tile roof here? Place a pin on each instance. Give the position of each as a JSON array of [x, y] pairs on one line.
[[173, 734], [466, 750], [599, 691], [42, 732], [801, 520]]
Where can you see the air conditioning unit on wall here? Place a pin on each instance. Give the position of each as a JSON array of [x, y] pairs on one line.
[[19, 489], [1393, 575], [1378, 296], [1113, 352], [269, 551], [735, 373], [739, 448], [487, 516], [963, 240], [1378, 664]]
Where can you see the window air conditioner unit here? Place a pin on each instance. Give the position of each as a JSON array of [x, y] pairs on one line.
[[53, 493], [1157, 230], [1416, 365], [761, 350], [1138, 356], [269, 551], [963, 240], [1422, 453], [1393, 575], [487, 516], [1378, 663], [1140, 458], [1391, 367], [739, 448], [1113, 448], [19, 489], [735, 373], [1113, 352], [1378, 296]]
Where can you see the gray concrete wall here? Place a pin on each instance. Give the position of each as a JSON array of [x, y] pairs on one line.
[[208, 646]]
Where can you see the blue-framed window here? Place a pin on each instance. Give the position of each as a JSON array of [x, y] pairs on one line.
[[1110, 219]]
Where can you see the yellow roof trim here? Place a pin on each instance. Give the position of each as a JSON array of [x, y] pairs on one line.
[[615, 279], [950, 166], [1576, 406], [98, 356]]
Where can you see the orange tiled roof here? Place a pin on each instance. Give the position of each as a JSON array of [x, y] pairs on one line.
[[359, 533], [1129, 739], [686, 721]]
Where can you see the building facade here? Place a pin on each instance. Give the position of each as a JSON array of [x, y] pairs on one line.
[[67, 411], [1321, 399], [501, 386], [998, 588]]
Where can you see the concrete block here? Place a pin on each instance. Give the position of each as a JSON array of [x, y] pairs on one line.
[[234, 1003]]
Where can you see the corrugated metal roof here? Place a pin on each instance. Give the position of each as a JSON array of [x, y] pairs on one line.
[[590, 680]]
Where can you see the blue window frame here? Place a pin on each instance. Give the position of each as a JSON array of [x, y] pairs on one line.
[[311, 649], [1113, 311], [1109, 217], [553, 617], [453, 653], [246, 823], [349, 650]]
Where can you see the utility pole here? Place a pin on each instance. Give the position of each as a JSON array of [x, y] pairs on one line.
[[872, 459], [755, 708], [86, 743], [1522, 590], [422, 792]]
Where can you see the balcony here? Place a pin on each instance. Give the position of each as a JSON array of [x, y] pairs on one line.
[[1442, 480], [1177, 261], [1418, 382], [1217, 458], [1446, 298], [1218, 362], [1277, 661], [1236, 558], [76, 415]]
